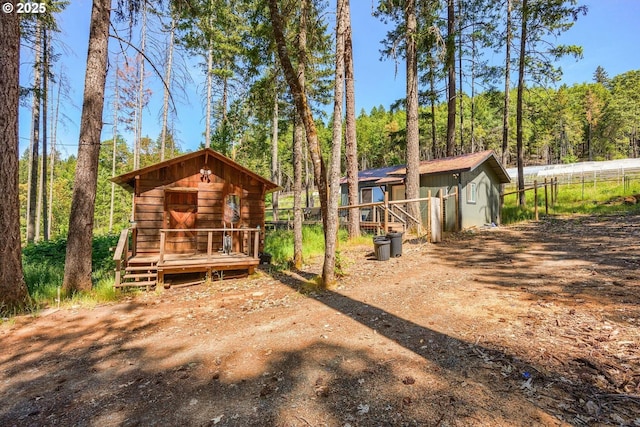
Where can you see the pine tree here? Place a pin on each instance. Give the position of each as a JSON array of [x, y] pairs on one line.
[[351, 146], [77, 271], [13, 290]]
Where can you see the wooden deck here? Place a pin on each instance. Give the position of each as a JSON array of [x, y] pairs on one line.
[[149, 269], [211, 265]]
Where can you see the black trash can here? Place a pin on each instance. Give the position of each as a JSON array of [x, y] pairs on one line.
[[382, 247], [396, 244], [265, 258]]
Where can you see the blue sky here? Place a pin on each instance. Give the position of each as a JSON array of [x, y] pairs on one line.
[[608, 34]]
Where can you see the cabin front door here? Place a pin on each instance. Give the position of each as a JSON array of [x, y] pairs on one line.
[[181, 211]]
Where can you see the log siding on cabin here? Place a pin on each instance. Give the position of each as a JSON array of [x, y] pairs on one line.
[[151, 184]]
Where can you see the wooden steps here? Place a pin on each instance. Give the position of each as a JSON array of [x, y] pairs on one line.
[[147, 272], [139, 275]]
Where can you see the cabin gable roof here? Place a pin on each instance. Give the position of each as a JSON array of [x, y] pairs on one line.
[[127, 180]]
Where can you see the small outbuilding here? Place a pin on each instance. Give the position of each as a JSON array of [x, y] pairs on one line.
[[198, 214], [475, 178]]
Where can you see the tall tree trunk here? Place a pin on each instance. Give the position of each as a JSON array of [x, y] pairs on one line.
[[274, 155], [507, 84], [42, 181], [473, 88], [13, 290], [225, 123], [54, 135], [308, 190], [167, 80], [298, 139], [77, 268], [451, 68], [351, 145], [32, 204], [332, 222], [413, 133], [143, 44], [460, 75], [522, 200], [432, 88], [116, 106], [207, 127], [302, 105]]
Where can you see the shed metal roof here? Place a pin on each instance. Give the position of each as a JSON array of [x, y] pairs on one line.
[[373, 174], [463, 163]]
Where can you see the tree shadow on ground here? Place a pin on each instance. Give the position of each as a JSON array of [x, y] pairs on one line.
[[592, 259], [131, 368], [505, 381]]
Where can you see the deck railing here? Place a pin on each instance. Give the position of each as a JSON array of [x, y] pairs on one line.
[[120, 255], [250, 236], [395, 211]]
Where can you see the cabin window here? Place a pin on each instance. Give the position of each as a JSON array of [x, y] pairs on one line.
[[371, 195], [472, 190], [232, 209]]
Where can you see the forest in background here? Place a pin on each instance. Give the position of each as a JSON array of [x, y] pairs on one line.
[[561, 121]]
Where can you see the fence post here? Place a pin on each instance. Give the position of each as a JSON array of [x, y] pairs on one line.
[[429, 217], [583, 187], [535, 198], [442, 212], [546, 198], [386, 212]]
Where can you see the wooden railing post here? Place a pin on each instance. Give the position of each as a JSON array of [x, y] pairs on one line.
[[256, 243], [163, 239], [546, 198], [121, 254], [429, 207], [535, 198], [118, 274], [386, 212], [126, 248], [209, 244], [442, 212]]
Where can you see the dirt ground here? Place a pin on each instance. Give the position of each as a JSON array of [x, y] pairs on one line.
[[534, 324]]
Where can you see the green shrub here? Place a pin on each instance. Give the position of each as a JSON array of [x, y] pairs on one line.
[[43, 265], [279, 244]]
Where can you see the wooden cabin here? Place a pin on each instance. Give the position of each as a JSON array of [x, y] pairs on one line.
[[194, 216]]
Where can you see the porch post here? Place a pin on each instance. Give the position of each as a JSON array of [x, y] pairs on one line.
[[386, 212], [256, 243], [162, 242]]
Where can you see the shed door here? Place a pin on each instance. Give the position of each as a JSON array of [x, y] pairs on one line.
[[181, 210]]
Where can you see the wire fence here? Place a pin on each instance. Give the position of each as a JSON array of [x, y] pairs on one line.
[[621, 170]]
